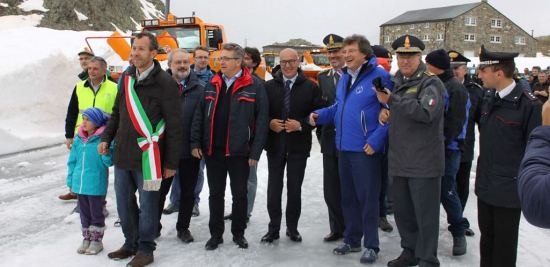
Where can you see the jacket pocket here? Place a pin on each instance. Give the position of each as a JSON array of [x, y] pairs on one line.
[[364, 123], [247, 99]]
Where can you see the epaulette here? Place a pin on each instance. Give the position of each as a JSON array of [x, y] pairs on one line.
[[325, 71], [530, 95], [429, 73]]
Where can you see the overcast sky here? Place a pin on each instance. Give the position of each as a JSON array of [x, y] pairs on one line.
[[260, 22]]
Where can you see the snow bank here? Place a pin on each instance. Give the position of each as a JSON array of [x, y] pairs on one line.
[[30, 5], [19, 21], [37, 76]]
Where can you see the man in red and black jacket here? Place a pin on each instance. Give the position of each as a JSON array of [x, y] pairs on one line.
[[230, 130], [292, 97]]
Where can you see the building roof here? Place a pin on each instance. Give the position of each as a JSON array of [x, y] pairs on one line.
[[432, 14]]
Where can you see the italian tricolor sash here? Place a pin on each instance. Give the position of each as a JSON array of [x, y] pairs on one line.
[[148, 142]]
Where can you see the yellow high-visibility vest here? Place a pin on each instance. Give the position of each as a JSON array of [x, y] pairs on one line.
[[104, 99]]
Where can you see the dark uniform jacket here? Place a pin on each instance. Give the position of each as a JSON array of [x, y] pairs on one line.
[[158, 94], [475, 91], [416, 142], [190, 98], [504, 126], [248, 117], [305, 97], [327, 133], [455, 115]]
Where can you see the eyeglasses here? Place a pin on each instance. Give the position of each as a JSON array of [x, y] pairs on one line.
[[228, 58], [288, 62]]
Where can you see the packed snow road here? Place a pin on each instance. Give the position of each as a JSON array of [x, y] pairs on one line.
[[37, 231]]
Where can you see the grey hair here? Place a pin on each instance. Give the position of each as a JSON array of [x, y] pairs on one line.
[[238, 51], [178, 50], [99, 60]]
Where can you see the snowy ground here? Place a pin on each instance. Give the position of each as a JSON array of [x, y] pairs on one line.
[[37, 74], [36, 230]]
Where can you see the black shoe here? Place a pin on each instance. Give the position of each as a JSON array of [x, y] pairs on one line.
[[332, 237], [294, 236], [407, 258], [228, 216], [384, 225], [196, 212], [213, 243], [469, 232], [270, 237], [459, 245], [170, 209], [241, 242], [185, 236]]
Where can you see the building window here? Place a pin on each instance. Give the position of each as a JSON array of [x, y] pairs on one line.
[[496, 23], [470, 21], [468, 37], [427, 25], [426, 37], [411, 27], [440, 37], [386, 39], [495, 39], [520, 40]]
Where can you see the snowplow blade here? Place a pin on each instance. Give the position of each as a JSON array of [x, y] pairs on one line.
[[119, 45], [165, 41]]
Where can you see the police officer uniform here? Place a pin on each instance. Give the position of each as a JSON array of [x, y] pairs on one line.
[[505, 121], [475, 92], [416, 158], [326, 134]]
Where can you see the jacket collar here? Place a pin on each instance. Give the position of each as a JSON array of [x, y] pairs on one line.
[[278, 77], [366, 68], [245, 80], [149, 79]]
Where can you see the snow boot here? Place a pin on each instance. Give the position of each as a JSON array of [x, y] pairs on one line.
[[141, 259], [96, 237], [384, 225], [459, 245], [85, 242], [196, 212]]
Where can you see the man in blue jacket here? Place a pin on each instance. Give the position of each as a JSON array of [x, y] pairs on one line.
[[534, 174], [360, 140]]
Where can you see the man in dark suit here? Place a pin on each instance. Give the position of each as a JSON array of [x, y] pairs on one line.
[[326, 135], [291, 98]]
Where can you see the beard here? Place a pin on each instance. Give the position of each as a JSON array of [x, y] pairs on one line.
[[182, 74]]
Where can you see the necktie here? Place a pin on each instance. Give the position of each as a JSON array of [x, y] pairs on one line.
[[180, 86], [286, 99], [336, 77]]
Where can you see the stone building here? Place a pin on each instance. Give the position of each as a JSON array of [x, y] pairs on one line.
[[462, 27]]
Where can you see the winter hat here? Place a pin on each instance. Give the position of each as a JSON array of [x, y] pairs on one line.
[[439, 59], [96, 116]]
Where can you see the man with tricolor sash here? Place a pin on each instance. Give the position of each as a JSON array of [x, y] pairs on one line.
[[147, 133]]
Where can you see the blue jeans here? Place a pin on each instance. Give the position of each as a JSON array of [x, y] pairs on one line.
[[252, 185], [175, 192], [360, 179], [200, 182], [449, 197], [139, 225]]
